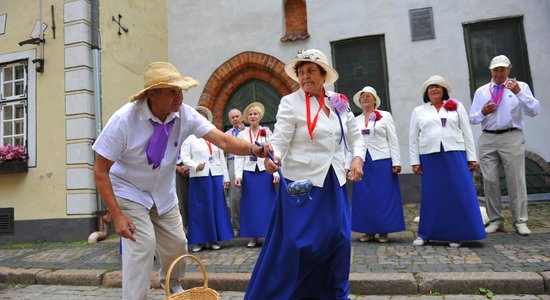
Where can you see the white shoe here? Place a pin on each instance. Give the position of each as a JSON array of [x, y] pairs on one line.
[[216, 246], [383, 238], [198, 248], [522, 229], [175, 286], [367, 238], [494, 227], [454, 245], [419, 242], [252, 243]]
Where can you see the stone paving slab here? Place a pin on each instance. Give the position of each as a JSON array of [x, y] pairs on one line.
[[469, 283], [383, 284], [71, 277]]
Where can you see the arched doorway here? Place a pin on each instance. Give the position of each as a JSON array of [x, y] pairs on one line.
[[251, 91]]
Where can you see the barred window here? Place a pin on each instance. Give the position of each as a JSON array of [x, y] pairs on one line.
[[13, 103], [14, 81]]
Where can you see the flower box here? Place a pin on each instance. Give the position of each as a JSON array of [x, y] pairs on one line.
[[14, 166]]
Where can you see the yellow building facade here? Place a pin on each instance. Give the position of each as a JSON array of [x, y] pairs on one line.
[[52, 79]]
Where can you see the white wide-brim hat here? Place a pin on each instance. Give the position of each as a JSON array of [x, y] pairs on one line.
[[314, 56], [205, 112], [499, 61], [159, 75], [257, 106], [437, 80], [367, 89]]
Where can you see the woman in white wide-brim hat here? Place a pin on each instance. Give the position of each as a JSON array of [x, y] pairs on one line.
[[312, 236], [442, 151], [377, 206], [257, 186], [208, 216]]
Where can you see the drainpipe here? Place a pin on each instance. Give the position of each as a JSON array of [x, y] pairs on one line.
[[102, 216]]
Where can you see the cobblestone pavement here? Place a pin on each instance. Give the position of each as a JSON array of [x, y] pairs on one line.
[[65, 292], [500, 252]]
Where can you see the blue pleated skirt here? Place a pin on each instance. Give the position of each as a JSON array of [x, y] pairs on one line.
[[307, 249], [209, 220], [258, 196], [449, 209], [377, 206]]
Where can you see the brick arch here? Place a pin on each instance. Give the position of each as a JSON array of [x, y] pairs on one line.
[[236, 71]]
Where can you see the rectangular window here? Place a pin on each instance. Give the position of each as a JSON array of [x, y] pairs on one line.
[[361, 62], [13, 104], [13, 126], [487, 39]]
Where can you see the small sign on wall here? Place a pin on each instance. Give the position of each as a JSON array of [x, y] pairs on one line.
[[3, 23], [422, 24]]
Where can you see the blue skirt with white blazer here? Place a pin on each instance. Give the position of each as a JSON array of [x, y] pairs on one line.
[[208, 217], [449, 209], [307, 251]]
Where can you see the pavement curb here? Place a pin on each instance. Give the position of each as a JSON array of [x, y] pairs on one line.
[[360, 283]]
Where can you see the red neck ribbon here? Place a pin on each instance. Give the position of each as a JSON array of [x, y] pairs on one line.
[[311, 125]]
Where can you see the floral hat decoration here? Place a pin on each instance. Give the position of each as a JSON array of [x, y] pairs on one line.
[[314, 56], [159, 75], [367, 89], [257, 106]]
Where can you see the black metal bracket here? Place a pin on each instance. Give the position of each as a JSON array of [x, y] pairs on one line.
[[34, 41], [120, 26], [39, 64]]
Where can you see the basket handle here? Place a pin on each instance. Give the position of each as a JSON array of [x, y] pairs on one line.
[[167, 280]]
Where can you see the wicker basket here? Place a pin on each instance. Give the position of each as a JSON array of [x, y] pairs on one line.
[[197, 293]]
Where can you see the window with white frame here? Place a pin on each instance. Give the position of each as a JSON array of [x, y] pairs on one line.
[[13, 104]]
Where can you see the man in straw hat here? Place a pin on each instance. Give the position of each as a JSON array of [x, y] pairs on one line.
[[499, 106], [135, 174]]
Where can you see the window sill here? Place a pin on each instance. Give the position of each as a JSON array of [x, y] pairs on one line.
[[15, 166]]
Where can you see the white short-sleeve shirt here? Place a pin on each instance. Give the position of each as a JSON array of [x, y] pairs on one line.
[[124, 140]]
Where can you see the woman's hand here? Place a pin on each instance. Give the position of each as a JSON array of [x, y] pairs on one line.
[[276, 179], [238, 182], [226, 185], [272, 166], [396, 169], [200, 167], [473, 165], [356, 171], [417, 169]]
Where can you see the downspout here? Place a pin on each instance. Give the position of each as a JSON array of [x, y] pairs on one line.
[[102, 216]]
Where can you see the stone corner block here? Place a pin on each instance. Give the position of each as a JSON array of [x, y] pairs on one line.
[[383, 283], [224, 281], [469, 283], [546, 278], [112, 279], [71, 277], [23, 276]]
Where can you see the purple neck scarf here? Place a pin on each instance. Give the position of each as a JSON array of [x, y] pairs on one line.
[[157, 143]]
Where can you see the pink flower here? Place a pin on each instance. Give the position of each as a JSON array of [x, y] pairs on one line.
[[339, 101], [8, 153], [450, 105]]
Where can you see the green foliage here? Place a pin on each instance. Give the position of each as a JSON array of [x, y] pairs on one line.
[[486, 292]]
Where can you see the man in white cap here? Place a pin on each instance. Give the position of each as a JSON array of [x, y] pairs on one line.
[[135, 174], [499, 107]]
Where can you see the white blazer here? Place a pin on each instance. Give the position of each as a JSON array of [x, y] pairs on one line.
[[426, 133], [246, 162], [195, 151], [381, 140], [303, 158]]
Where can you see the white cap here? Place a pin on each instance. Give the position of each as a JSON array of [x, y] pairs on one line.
[[500, 61]]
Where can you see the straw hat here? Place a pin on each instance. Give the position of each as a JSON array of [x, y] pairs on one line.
[[367, 89], [257, 106], [205, 112], [500, 61], [437, 80], [314, 56], [159, 75]]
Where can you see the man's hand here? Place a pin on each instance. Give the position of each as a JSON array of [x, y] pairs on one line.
[[513, 86], [396, 169], [124, 227], [488, 108], [473, 165], [272, 166], [241, 127], [261, 151], [226, 185]]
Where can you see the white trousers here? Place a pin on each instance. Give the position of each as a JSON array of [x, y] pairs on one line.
[[161, 236], [507, 150]]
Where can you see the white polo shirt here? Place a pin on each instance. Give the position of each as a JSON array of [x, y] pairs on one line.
[[124, 140]]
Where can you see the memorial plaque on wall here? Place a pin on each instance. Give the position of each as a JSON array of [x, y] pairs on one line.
[[422, 24]]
